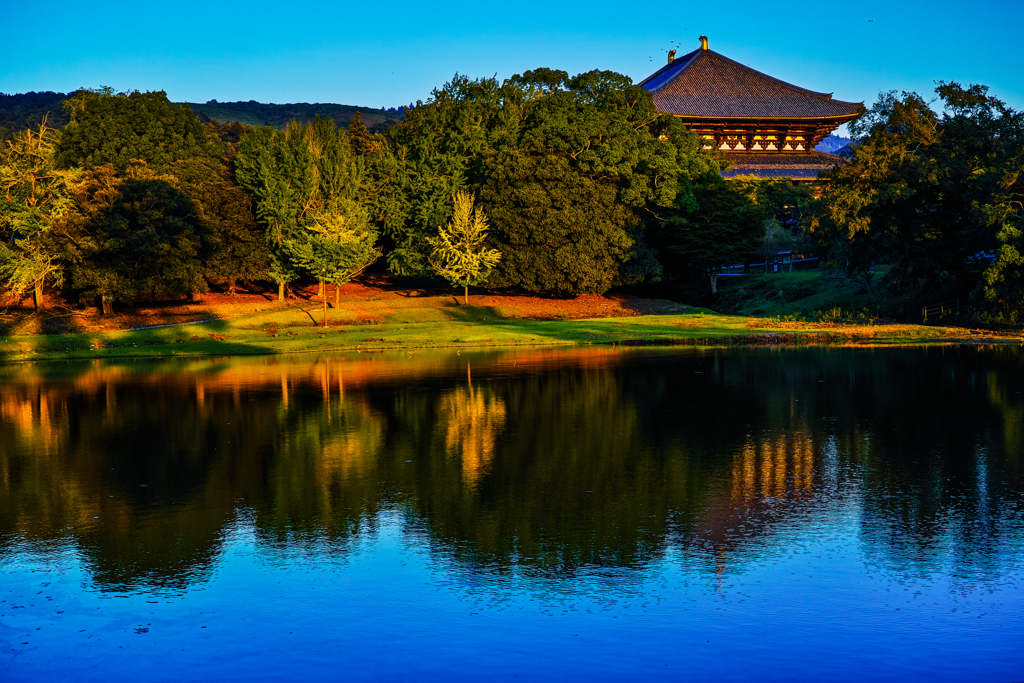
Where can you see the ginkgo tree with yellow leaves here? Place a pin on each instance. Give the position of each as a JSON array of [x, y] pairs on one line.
[[459, 253], [336, 246]]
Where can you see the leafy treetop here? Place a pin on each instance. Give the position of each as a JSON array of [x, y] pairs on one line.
[[116, 128]]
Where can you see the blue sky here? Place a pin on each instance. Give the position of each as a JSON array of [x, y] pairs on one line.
[[388, 54]]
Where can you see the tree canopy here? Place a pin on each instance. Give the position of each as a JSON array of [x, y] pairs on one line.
[[36, 201], [934, 194], [584, 185], [115, 128], [570, 170], [142, 237], [295, 176], [721, 227]]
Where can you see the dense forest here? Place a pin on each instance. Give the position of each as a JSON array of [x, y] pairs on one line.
[[540, 183], [280, 115], [28, 110]]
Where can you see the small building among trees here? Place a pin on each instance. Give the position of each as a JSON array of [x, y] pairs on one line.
[[766, 127]]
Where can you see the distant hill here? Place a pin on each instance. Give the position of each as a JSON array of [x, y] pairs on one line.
[[832, 144], [27, 110], [254, 113]]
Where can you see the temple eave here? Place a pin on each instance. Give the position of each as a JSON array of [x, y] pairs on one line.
[[799, 167], [765, 126]]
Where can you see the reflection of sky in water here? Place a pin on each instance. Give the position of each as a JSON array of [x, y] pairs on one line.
[[391, 609], [379, 520]]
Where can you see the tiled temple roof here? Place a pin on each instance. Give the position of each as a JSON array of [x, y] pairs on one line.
[[704, 83], [796, 166]]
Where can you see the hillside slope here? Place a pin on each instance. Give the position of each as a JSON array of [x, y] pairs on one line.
[[279, 115], [26, 110]]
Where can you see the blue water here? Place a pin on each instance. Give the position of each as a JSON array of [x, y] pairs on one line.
[[646, 515]]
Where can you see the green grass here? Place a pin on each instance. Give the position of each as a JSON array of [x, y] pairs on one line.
[[796, 293], [291, 330]]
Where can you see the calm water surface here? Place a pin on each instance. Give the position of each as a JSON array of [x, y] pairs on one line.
[[804, 514]]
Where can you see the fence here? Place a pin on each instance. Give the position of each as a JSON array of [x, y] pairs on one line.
[[946, 308]]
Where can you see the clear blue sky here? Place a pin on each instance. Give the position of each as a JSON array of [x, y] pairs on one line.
[[387, 54]]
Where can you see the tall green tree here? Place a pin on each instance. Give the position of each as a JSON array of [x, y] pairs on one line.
[[361, 141], [142, 238], [459, 254], [439, 149], [721, 227], [595, 167], [926, 191], [115, 128], [295, 175], [235, 245], [570, 171], [36, 211]]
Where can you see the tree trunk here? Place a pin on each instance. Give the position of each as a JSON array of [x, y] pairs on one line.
[[713, 278], [337, 295], [467, 295], [231, 287], [106, 308], [37, 296], [323, 296], [195, 297], [280, 291]]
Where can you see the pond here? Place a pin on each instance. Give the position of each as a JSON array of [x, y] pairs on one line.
[[597, 514]]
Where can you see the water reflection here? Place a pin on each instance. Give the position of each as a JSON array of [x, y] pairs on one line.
[[544, 463]]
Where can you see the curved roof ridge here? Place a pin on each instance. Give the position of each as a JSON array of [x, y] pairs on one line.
[[819, 95], [705, 83], [675, 65]]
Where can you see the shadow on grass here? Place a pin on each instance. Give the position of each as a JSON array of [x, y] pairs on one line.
[[471, 313], [207, 337]]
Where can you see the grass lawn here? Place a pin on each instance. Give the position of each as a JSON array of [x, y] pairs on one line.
[[437, 322]]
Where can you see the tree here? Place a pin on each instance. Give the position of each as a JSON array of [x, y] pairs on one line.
[[142, 237], [722, 227], [337, 246], [926, 191], [360, 140], [116, 128], [235, 246], [435, 152], [789, 202], [27, 111], [295, 175], [591, 166], [409, 197], [519, 146], [459, 254], [276, 169], [559, 230], [1003, 281], [36, 207]]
